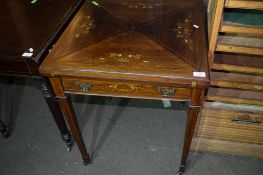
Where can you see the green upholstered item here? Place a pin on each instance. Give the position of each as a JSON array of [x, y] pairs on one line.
[[244, 17]]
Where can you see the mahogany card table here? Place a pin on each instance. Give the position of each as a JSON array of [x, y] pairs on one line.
[[29, 28], [132, 49]]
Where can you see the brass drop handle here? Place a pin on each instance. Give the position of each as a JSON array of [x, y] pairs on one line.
[[166, 92], [245, 118], [85, 87]]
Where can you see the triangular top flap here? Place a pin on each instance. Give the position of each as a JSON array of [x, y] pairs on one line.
[[26, 25], [138, 12], [126, 53], [99, 41]]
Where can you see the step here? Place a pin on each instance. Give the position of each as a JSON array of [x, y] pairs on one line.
[[243, 21], [248, 30], [237, 81], [234, 96], [241, 63], [240, 44], [244, 4], [235, 107]]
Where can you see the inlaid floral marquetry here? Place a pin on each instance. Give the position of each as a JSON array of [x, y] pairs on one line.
[[184, 30], [124, 88], [122, 58], [142, 5], [85, 25]]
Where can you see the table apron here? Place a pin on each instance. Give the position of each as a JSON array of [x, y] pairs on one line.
[[129, 89]]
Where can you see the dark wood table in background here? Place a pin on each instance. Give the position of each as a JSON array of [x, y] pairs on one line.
[[132, 49], [28, 30]]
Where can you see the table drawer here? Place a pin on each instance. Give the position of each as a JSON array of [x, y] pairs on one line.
[[126, 89], [230, 124]]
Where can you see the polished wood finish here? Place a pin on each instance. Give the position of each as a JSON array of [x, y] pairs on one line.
[[56, 112], [215, 15], [196, 102], [24, 29], [27, 28], [117, 88], [150, 50], [116, 53], [72, 121], [67, 108]]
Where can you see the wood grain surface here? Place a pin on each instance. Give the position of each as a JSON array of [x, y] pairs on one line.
[[103, 42]]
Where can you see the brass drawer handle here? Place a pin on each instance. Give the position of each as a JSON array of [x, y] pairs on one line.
[[83, 86], [166, 92], [245, 119]]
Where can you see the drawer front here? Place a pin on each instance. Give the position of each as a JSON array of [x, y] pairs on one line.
[[225, 124], [126, 89], [230, 147]]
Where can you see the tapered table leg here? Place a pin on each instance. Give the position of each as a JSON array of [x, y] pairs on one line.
[[56, 113], [67, 108], [195, 105]]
